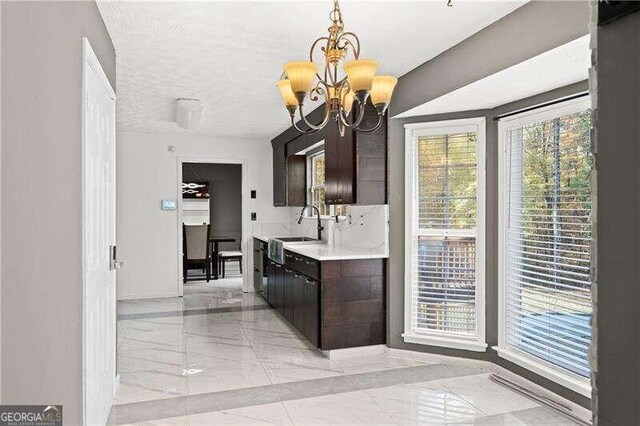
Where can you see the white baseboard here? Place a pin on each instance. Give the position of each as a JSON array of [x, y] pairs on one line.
[[544, 395], [355, 352]]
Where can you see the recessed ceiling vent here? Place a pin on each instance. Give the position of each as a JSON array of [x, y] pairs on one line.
[[188, 113]]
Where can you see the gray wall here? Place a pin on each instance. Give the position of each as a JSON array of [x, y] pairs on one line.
[[618, 233], [225, 186], [42, 198], [527, 32]]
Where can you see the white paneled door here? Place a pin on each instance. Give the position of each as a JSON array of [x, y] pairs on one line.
[[99, 236]]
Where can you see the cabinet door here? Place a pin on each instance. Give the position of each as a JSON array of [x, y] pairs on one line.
[[279, 287], [371, 161], [296, 180], [257, 269], [288, 294], [312, 311], [271, 283], [346, 168], [265, 270], [339, 153], [298, 302], [279, 177]]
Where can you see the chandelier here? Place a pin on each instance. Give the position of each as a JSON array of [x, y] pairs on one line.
[[339, 90]]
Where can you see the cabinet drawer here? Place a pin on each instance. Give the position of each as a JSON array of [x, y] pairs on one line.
[[304, 265]]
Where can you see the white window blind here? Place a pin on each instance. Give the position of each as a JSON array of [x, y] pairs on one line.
[[547, 239], [445, 292]]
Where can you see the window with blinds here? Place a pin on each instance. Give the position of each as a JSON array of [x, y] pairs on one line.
[[444, 284], [316, 187], [546, 239]]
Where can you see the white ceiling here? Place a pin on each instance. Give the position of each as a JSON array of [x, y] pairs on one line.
[[230, 55], [555, 68]]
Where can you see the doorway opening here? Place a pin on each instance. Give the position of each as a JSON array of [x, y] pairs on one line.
[[211, 226]]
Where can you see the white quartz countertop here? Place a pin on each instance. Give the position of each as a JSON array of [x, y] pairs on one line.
[[322, 251]]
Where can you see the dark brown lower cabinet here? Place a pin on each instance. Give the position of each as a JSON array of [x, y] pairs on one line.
[[312, 311], [257, 269], [334, 304], [271, 283], [279, 287], [298, 301], [275, 279], [287, 308]]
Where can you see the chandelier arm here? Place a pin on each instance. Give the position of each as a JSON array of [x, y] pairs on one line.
[[313, 47], [295, 125], [354, 124], [325, 63], [345, 38], [373, 129], [325, 120]]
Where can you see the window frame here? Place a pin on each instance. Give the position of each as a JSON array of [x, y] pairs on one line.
[[310, 186], [311, 176], [414, 131], [545, 369]]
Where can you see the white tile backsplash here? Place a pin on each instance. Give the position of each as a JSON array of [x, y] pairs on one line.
[[271, 229], [364, 227]]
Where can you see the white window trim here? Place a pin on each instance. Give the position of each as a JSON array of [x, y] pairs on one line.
[[310, 187], [412, 132], [567, 379], [311, 175]]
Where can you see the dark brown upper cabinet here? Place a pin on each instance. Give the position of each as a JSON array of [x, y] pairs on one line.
[[355, 164], [279, 176], [296, 180]]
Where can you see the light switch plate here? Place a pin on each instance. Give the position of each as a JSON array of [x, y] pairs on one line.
[[168, 205]]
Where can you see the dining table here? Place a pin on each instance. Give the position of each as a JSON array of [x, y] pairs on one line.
[[215, 241]]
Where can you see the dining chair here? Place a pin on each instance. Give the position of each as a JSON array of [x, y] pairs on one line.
[[230, 255], [195, 248]]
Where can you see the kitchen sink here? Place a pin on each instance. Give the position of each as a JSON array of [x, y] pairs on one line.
[[276, 246]]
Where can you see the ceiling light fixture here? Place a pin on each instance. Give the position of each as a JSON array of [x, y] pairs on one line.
[[188, 113], [339, 90]]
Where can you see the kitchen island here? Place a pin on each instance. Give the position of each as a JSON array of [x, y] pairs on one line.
[[335, 296]]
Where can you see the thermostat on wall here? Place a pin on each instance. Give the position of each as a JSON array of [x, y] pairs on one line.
[[168, 204]]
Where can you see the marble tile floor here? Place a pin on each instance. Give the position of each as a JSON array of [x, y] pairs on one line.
[[218, 356]]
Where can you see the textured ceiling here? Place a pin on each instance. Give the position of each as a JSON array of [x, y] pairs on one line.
[[230, 55]]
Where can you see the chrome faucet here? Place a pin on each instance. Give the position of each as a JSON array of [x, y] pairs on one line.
[[320, 227]]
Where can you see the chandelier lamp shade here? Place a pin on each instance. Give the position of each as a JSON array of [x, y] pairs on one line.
[[338, 84]]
